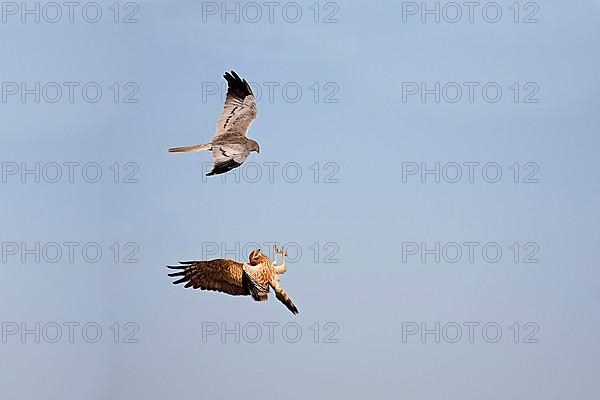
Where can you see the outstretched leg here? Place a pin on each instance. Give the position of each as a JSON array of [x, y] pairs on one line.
[[275, 252], [280, 269]]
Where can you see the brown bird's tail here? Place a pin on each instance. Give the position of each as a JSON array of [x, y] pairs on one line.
[[283, 297], [185, 149]]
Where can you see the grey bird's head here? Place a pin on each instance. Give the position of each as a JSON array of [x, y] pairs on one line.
[[253, 146]]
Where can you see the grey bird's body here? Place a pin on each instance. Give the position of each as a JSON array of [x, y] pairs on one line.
[[231, 146]]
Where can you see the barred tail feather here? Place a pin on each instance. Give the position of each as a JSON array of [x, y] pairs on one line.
[[283, 297]]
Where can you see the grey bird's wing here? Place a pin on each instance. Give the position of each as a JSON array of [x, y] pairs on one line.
[[227, 157], [220, 275], [239, 110]]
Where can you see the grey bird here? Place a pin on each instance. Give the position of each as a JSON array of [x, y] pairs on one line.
[[231, 146]]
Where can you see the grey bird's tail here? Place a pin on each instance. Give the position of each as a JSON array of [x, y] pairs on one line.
[[185, 149]]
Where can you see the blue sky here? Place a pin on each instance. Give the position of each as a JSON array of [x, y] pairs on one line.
[[349, 219]]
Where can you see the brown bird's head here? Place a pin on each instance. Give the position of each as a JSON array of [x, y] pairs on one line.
[[256, 257]]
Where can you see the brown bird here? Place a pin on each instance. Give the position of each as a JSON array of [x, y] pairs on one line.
[[235, 278], [231, 146]]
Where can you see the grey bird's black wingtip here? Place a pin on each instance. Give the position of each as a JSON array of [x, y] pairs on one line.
[[224, 167], [237, 86], [231, 75]]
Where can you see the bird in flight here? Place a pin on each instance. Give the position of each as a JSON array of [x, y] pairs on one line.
[[235, 278], [230, 146]]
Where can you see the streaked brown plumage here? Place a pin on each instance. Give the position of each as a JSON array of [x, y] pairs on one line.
[[238, 279]]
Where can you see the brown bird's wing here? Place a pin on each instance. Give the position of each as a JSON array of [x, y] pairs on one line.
[[239, 110], [221, 275]]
